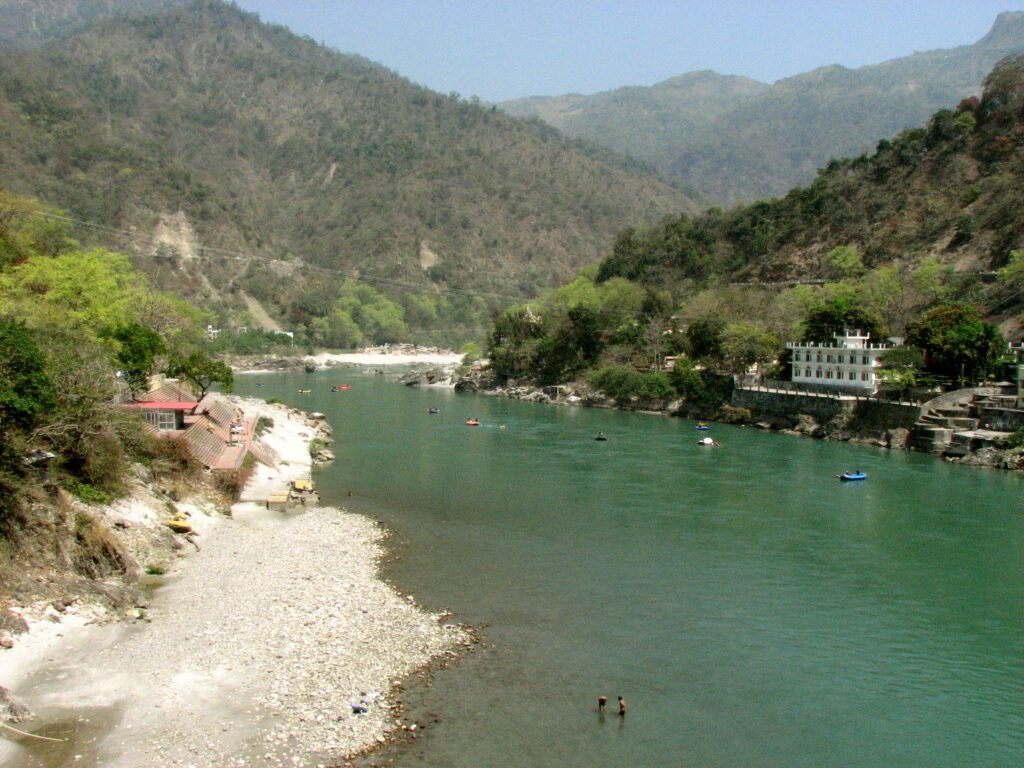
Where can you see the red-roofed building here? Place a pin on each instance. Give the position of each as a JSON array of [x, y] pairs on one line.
[[215, 433]]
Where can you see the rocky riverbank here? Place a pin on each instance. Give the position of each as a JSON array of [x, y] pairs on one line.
[[274, 642], [881, 432]]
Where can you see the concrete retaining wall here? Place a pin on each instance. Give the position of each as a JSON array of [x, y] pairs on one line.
[[783, 408], [861, 417], [1001, 419]]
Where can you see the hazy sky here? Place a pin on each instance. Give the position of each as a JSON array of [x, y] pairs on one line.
[[502, 50]]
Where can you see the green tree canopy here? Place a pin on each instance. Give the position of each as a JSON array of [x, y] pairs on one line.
[[704, 336], [957, 343], [744, 344], [26, 391], [834, 316], [138, 347], [202, 372]]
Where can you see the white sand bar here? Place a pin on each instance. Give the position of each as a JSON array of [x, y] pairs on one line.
[[385, 359]]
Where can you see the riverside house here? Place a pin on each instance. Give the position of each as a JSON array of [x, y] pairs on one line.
[[849, 364], [212, 432]]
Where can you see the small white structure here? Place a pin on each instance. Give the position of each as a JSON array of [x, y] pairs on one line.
[[850, 363]]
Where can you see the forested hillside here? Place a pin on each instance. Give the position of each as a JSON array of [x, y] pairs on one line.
[[272, 145], [647, 123], [738, 140], [922, 238], [952, 189], [29, 23]]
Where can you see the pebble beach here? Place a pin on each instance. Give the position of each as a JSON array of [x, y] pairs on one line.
[[275, 644]]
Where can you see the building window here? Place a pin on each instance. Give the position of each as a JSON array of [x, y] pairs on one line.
[[828, 358], [819, 358], [807, 372], [162, 420], [828, 374], [840, 359], [817, 374], [864, 360], [863, 377], [796, 357], [839, 374]]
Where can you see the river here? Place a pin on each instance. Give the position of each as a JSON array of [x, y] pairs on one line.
[[751, 609]]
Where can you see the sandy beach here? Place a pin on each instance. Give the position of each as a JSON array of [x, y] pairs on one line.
[[274, 644], [380, 358]]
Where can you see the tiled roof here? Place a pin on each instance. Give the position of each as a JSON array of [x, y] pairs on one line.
[[161, 405], [172, 391], [219, 411], [206, 444]]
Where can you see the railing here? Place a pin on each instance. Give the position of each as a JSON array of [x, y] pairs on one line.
[[753, 383]]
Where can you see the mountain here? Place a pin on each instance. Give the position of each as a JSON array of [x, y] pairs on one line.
[[647, 123], [753, 140], [951, 191], [201, 128]]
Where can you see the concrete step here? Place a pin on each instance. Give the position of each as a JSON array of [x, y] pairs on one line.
[[963, 422]]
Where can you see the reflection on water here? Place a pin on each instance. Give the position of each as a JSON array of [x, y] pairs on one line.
[[752, 609]]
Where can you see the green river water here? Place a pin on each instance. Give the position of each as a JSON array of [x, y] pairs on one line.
[[752, 610]]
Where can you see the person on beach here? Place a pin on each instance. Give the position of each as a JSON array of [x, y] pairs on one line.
[[622, 707], [601, 702]]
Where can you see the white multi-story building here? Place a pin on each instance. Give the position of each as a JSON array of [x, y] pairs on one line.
[[850, 363]]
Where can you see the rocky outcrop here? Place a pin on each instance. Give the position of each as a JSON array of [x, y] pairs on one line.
[[430, 377]]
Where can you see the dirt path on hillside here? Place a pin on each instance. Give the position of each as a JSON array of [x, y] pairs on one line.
[[259, 314]]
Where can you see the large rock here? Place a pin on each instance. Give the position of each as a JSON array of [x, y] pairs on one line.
[[427, 377], [897, 438]]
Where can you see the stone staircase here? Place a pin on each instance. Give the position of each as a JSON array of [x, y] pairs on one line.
[[949, 423], [934, 432]]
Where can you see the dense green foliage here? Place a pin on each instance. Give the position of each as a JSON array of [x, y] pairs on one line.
[[841, 254], [735, 139], [952, 189], [957, 343], [201, 371], [83, 316], [322, 167]]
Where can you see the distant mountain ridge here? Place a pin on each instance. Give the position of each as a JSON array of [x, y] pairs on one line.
[[760, 140], [246, 137]]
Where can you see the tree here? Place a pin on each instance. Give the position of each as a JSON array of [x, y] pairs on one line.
[[957, 342], [202, 372], [705, 337], [138, 349], [900, 368], [744, 344], [26, 391], [845, 261], [825, 320], [513, 341]]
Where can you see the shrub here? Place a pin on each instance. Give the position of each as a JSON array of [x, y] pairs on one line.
[[626, 384], [88, 493], [263, 423]]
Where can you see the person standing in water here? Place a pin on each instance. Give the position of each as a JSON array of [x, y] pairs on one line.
[[601, 702], [622, 707]]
